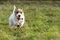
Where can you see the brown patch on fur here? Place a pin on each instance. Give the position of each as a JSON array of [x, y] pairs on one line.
[[19, 11]]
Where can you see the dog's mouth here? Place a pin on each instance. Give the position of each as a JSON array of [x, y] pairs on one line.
[[18, 18]]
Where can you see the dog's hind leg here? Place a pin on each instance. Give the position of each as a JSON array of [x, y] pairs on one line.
[[10, 23]]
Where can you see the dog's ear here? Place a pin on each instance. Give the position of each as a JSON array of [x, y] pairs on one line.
[[21, 9], [14, 8]]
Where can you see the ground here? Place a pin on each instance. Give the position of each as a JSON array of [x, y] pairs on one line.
[[42, 21]]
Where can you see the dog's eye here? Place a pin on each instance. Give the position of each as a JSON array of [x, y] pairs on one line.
[[21, 12], [17, 12]]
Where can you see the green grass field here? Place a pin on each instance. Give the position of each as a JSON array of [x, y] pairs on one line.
[[42, 21]]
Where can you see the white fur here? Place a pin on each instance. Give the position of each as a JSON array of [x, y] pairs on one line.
[[13, 21]]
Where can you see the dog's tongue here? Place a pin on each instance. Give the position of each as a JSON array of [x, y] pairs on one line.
[[18, 18]]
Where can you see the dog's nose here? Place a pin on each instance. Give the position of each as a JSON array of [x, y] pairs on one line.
[[18, 25], [19, 15]]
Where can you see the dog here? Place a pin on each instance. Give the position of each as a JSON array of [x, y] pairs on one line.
[[17, 17]]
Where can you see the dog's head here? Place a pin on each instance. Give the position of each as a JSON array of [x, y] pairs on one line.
[[18, 12]]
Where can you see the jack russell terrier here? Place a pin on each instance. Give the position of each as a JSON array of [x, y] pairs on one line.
[[17, 17]]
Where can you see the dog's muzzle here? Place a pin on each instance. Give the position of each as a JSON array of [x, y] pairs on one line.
[[18, 17]]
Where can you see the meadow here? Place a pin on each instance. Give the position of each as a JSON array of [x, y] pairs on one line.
[[42, 21]]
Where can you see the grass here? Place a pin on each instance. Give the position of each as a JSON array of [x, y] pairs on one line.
[[42, 21]]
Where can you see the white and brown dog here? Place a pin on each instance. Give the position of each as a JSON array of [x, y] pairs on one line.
[[17, 17]]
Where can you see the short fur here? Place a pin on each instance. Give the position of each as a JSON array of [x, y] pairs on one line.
[[17, 17]]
